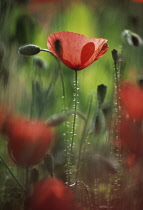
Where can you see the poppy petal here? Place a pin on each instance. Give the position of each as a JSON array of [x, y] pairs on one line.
[[76, 50], [87, 51]]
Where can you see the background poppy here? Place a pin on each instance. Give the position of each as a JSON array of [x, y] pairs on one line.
[[51, 194], [28, 141], [131, 96]]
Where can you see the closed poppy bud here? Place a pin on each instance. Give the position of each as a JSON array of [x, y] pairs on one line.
[[51, 194], [76, 50], [132, 39], [101, 93], [34, 175], [28, 141], [131, 96], [115, 55], [30, 49]]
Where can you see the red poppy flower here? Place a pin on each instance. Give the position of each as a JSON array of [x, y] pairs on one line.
[[28, 141], [51, 194], [75, 50], [131, 96]]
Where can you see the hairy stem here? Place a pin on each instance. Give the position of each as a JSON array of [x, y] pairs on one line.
[[11, 173]]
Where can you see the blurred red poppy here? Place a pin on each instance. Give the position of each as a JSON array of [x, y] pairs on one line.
[[131, 135], [131, 139], [131, 96], [137, 0], [28, 141], [51, 194], [75, 50]]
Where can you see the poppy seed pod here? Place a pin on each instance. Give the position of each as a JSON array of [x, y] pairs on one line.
[[28, 141], [51, 194], [76, 50], [29, 50]]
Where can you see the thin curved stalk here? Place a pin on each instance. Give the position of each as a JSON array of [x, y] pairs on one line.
[[82, 139], [16, 180]]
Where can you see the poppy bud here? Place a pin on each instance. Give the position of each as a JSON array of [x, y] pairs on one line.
[[57, 119], [132, 39], [115, 55], [29, 49], [34, 175], [101, 93], [49, 163]]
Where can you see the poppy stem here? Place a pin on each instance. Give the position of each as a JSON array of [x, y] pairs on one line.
[[75, 113], [117, 109], [17, 181], [83, 138], [86, 188]]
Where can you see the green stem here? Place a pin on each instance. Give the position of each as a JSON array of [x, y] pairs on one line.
[[17, 181], [75, 114], [87, 192], [82, 139], [27, 179], [32, 103]]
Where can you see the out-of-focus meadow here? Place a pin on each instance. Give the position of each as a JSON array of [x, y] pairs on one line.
[[97, 163]]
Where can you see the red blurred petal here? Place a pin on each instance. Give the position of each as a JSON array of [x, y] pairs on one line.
[[131, 97], [137, 0], [28, 140], [131, 160], [131, 136], [51, 194]]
